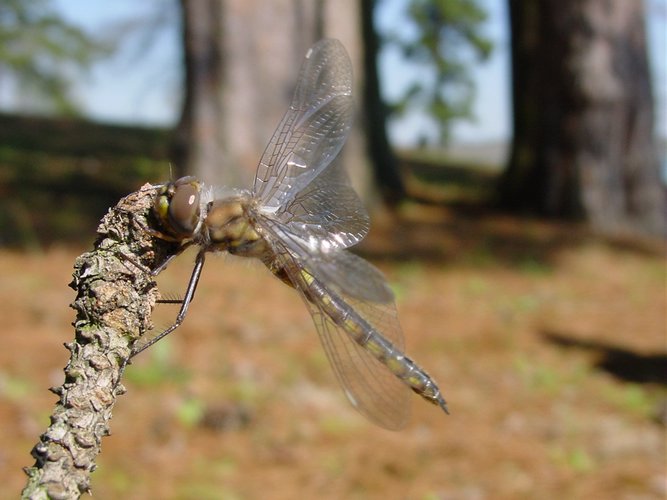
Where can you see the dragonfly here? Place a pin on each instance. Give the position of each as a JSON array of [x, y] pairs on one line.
[[299, 219]]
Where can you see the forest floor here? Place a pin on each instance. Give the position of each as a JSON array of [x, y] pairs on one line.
[[548, 343]]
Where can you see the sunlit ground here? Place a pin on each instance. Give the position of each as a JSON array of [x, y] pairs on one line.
[[549, 346]]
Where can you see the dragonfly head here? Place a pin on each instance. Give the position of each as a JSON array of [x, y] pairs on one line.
[[177, 206]]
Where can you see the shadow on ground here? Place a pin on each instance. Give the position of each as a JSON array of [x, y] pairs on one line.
[[622, 363]]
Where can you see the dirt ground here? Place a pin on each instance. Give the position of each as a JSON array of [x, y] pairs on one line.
[[549, 346]]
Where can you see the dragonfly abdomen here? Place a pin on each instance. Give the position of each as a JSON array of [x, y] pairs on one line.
[[365, 335]]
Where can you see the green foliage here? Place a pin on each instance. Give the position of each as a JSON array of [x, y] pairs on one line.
[[445, 34], [41, 52]]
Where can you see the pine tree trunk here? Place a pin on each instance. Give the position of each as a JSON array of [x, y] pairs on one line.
[[584, 144]]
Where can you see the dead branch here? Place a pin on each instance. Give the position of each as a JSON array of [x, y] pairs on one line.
[[115, 298]]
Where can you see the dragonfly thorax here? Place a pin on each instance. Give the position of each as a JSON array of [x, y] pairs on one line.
[[229, 227], [222, 224]]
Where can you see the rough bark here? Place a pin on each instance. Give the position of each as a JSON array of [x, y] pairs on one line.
[[114, 302], [584, 143]]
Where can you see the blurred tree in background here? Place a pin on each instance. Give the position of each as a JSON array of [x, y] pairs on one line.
[[376, 112], [445, 36], [241, 61], [238, 81], [584, 145], [41, 54]]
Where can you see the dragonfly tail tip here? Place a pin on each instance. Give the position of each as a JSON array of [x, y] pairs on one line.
[[443, 404]]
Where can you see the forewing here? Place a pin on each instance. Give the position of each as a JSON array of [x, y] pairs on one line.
[[313, 130]]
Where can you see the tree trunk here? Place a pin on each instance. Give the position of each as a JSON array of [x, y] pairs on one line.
[[196, 146], [385, 167], [584, 144]]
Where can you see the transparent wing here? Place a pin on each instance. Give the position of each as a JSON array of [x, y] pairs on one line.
[[369, 385], [313, 130], [357, 279], [327, 213], [343, 270], [371, 388]]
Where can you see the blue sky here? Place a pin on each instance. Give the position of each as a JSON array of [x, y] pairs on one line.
[[492, 104], [135, 87]]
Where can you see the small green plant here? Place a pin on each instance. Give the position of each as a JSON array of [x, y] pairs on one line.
[[631, 398], [190, 412], [14, 388], [576, 459]]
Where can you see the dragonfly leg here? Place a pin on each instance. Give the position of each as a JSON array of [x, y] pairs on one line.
[[185, 304], [163, 265], [169, 301], [135, 262]]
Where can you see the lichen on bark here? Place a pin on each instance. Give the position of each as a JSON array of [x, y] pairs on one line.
[[114, 301]]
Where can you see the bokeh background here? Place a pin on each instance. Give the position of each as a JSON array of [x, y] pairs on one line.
[[545, 330]]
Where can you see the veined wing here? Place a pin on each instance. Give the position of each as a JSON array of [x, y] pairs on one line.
[[313, 130], [371, 388], [349, 274], [369, 385], [327, 214], [357, 290]]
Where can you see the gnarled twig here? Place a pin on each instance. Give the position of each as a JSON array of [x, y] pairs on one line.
[[115, 298]]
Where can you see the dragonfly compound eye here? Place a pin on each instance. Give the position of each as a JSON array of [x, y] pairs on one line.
[[177, 206]]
